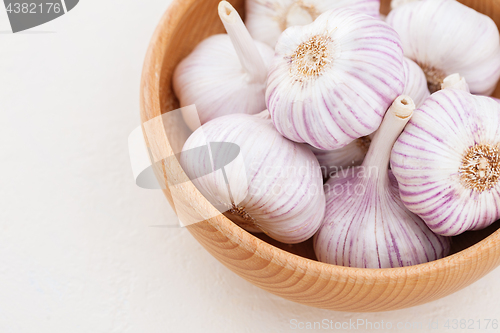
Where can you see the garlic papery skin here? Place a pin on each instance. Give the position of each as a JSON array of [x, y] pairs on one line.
[[338, 160], [267, 19], [399, 3], [366, 225], [225, 74], [415, 83], [445, 37], [283, 196], [447, 162], [332, 81], [455, 81]]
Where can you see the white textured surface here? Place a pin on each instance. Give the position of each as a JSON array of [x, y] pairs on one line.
[[77, 250]]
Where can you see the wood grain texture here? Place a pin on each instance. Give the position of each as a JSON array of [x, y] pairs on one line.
[[288, 271]]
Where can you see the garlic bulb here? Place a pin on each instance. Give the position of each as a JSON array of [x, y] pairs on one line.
[[331, 81], [447, 162], [366, 225], [284, 195], [415, 83], [224, 74], [333, 161], [445, 37], [267, 19]]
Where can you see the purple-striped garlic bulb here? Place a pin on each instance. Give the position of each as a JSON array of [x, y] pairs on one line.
[[445, 37], [267, 19], [276, 187], [333, 161], [447, 162], [366, 225], [225, 73], [331, 81]]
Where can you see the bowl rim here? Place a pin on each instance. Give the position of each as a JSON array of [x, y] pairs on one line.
[[150, 107]]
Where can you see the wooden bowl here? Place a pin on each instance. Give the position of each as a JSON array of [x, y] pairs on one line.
[[289, 271]]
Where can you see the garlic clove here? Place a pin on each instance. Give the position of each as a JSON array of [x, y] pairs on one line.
[[447, 162], [366, 225], [415, 83], [224, 74], [284, 194], [332, 81], [446, 37], [455, 81], [267, 19]]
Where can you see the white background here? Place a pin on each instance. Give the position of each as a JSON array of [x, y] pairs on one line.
[[78, 252]]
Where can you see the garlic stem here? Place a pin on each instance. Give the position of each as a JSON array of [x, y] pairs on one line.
[[455, 81], [393, 124], [249, 56]]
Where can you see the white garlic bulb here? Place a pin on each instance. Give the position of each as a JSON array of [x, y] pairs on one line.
[[267, 19], [415, 83], [224, 74], [445, 37], [331, 81], [284, 194], [447, 162], [338, 160], [366, 225]]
